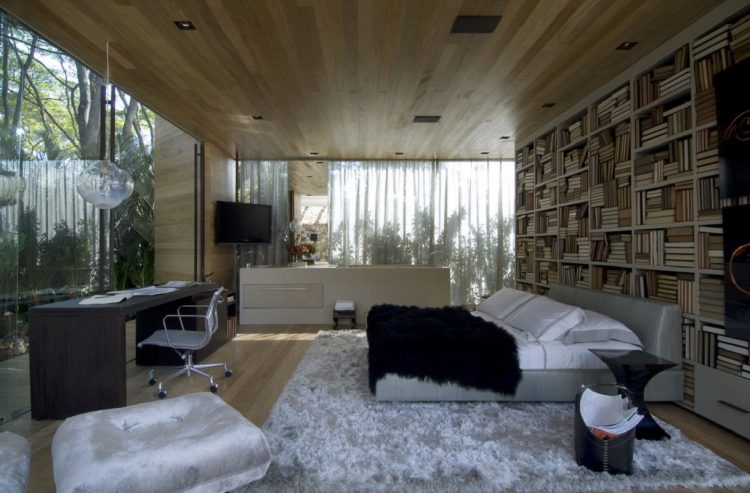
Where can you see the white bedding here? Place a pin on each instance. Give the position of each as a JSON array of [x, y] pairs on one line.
[[554, 355]]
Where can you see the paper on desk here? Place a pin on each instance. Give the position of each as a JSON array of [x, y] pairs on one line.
[[175, 284], [610, 413], [103, 299], [146, 291]]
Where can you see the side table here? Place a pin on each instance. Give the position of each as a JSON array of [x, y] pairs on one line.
[[634, 369]]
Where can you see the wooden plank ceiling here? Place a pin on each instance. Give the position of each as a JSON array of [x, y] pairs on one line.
[[345, 78]]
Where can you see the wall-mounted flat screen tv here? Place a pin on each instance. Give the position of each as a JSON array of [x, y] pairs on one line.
[[237, 222], [733, 125]]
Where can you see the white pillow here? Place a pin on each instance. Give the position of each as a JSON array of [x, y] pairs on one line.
[[545, 319], [596, 327], [504, 302]]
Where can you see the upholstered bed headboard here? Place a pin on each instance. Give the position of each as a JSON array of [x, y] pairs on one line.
[[657, 324]]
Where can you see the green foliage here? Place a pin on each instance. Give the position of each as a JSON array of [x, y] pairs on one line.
[[479, 264], [64, 259]]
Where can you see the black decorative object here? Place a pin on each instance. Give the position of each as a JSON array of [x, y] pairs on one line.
[[442, 344], [733, 121], [737, 271], [633, 370]]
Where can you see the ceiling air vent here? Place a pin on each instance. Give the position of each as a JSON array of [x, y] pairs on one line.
[[426, 119], [475, 24]]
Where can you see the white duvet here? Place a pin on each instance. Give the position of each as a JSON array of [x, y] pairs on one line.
[[554, 355]]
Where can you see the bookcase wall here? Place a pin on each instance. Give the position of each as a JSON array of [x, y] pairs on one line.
[[628, 202]]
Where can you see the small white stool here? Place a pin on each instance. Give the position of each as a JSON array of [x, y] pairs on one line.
[[15, 460], [190, 443]]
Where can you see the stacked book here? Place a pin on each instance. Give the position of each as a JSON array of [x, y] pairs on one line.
[[619, 248], [574, 187], [660, 286], [545, 169], [691, 341], [649, 247], [655, 206], [651, 132], [547, 272], [716, 40], [520, 159], [575, 159], [709, 203], [731, 354], [688, 369], [575, 131], [546, 248], [612, 108], [674, 84], [622, 142], [707, 150], [710, 247], [678, 118], [705, 107], [685, 297], [616, 281], [711, 299], [546, 196], [547, 222], [679, 248], [667, 79], [740, 36], [522, 225], [599, 248], [710, 332], [609, 217], [574, 275], [683, 201]]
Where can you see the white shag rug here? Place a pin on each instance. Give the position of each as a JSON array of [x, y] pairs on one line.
[[328, 434]]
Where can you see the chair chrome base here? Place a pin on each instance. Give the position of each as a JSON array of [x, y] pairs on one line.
[[188, 369]]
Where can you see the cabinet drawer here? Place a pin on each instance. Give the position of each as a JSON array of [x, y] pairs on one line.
[[723, 398], [282, 296]]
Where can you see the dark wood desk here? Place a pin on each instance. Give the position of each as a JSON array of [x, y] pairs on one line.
[[77, 352]]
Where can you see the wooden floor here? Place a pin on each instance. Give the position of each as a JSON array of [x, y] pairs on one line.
[[264, 360]]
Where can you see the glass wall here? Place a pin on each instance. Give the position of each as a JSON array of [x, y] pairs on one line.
[[49, 236]]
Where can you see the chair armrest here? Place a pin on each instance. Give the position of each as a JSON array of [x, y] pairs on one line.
[[179, 317], [179, 309]]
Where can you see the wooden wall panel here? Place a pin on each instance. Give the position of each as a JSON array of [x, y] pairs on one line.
[[219, 176], [174, 203]]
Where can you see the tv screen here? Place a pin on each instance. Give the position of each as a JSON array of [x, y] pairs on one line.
[[242, 223], [733, 128]]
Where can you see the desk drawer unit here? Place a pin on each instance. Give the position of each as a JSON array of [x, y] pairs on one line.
[[282, 296], [723, 398]]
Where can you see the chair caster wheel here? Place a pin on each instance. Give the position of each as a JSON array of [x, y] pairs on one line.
[[162, 394], [152, 381], [228, 373], [214, 388]]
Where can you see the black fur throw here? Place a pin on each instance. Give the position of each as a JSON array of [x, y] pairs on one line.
[[443, 344]]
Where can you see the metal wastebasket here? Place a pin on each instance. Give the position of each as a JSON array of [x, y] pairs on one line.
[[613, 455]]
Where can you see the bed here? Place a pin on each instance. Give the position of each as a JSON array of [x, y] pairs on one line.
[[556, 372]]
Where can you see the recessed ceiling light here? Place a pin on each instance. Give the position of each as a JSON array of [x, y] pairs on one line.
[[484, 153], [184, 25], [548, 105], [475, 24], [309, 176], [399, 153], [505, 137], [313, 153], [257, 117], [426, 119], [627, 45], [319, 162]]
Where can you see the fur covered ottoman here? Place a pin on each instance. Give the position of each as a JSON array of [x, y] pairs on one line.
[[15, 460], [191, 443]]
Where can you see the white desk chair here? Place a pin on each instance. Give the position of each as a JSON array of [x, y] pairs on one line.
[[186, 342]]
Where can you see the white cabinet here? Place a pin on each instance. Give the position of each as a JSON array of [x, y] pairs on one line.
[[284, 295]]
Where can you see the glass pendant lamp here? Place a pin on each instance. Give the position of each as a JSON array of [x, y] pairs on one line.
[[104, 184]]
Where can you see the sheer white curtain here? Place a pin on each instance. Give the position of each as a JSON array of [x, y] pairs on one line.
[[453, 213], [265, 182]]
